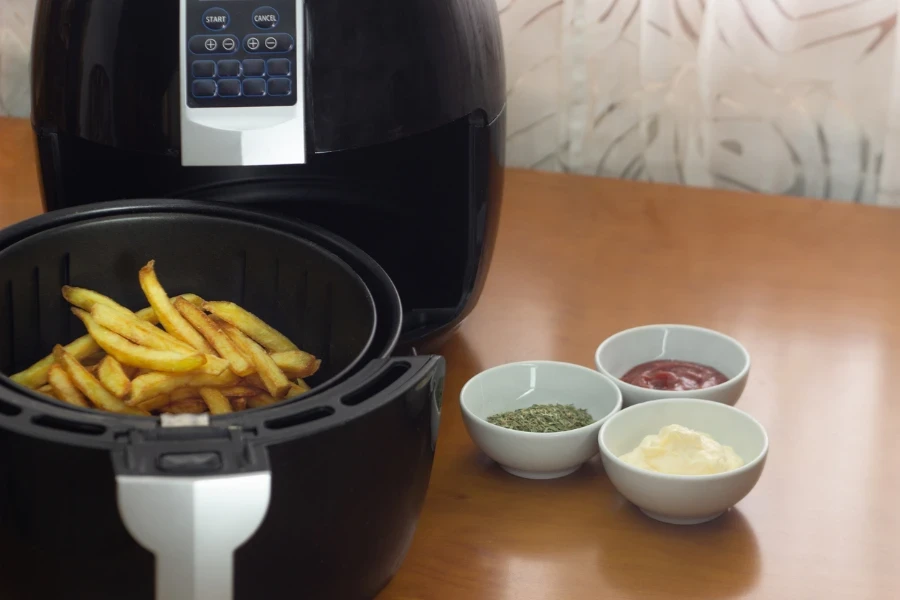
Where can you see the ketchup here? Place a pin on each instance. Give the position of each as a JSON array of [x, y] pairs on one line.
[[673, 376]]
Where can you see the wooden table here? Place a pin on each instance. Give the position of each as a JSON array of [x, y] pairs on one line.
[[812, 289]]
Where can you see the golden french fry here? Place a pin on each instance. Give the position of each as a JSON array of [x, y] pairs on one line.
[[261, 401], [184, 393], [36, 375], [144, 387], [296, 390], [90, 387], [303, 385], [137, 330], [138, 356], [170, 318], [215, 336], [235, 391], [46, 388], [155, 403], [251, 325], [86, 299], [275, 381], [64, 389], [113, 377], [214, 365], [194, 406], [239, 391], [254, 381], [217, 403], [238, 404], [297, 363], [149, 315]]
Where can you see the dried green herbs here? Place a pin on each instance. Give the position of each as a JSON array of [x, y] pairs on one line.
[[543, 418]]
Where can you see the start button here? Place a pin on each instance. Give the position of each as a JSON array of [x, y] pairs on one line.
[[266, 17], [216, 19]]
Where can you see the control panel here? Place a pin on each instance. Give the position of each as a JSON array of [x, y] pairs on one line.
[[241, 53], [242, 83]]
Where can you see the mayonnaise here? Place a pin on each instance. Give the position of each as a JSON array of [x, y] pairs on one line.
[[677, 450]]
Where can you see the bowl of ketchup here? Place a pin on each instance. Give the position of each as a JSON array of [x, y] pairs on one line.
[[653, 362]]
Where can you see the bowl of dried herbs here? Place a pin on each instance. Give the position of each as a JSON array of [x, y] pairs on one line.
[[538, 419]]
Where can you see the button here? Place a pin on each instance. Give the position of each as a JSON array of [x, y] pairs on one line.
[[254, 87], [279, 87], [254, 67], [197, 462], [274, 43], [229, 68], [229, 88], [216, 19], [266, 17], [213, 44], [279, 66], [204, 88], [203, 68]]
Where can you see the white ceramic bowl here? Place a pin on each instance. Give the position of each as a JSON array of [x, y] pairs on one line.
[[683, 499], [517, 385], [619, 353]]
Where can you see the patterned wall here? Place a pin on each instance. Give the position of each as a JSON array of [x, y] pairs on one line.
[[781, 96], [16, 17]]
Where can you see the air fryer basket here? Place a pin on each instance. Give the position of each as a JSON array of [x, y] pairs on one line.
[[341, 516]]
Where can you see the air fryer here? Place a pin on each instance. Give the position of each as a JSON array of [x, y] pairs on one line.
[[312, 498], [383, 122]]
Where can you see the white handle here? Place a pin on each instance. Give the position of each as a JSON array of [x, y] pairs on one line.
[[194, 525]]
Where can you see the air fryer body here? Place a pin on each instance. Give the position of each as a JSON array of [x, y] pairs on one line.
[[403, 138]]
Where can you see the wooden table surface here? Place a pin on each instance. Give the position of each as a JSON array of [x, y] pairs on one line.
[[811, 288]]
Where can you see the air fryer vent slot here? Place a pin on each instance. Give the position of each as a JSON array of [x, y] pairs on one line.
[[382, 382], [8, 409], [70, 426], [306, 416]]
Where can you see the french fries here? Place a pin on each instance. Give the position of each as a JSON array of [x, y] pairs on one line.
[[215, 336], [138, 356], [273, 378], [216, 401], [180, 355], [87, 299], [113, 377], [144, 387], [90, 387], [297, 363], [130, 327], [251, 325], [194, 406], [36, 375], [63, 388], [170, 318]]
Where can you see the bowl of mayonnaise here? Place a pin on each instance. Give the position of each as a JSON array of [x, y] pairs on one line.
[[683, 460]]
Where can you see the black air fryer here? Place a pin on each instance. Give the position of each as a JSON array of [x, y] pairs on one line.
[[335, 167], [380, 121]]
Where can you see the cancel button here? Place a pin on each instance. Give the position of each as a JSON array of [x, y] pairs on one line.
[[266, 17]]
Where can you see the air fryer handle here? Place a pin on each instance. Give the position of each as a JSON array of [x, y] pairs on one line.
[[194, 525], [192, 509]]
